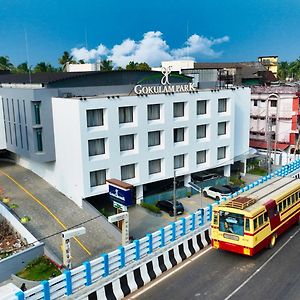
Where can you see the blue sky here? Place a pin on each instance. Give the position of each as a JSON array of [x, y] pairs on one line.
[[225, 30]]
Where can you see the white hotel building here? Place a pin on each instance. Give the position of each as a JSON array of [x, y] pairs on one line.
[[76, 130]]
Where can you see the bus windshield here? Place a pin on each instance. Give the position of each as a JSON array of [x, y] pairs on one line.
[[231, 222]]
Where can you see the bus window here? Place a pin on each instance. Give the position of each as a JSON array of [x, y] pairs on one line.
[[231, 222], [284, 204], [215, 218], [260, 220], [255, 223], [247, 224], [288, 201], [280, 207], [266, 217], [293, 198]]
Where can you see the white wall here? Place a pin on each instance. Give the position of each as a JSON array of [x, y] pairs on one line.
[[176, 65]]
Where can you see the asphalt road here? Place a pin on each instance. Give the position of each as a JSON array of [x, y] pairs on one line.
[[272, 274]]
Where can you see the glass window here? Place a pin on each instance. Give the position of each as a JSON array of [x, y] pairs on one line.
[[222, 105], [94, 117], [39, 140], [153, 138], [154, 166], [266, 217], [97, 178], [179, 161], [96, 147], [247, 224], [222, 128], [273, 103], [178, 109], [127, 172], [221, 152], [284, 204], [125, 114], [201, 107], [280, 206], [37, 115], [255, 102], [255, 223], [260, 220], [126, 142], [201, 157], [201, 131], [178, 135], [231, 222], [288, 201], [153, 112]]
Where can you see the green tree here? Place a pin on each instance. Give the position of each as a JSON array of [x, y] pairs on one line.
[[5, 64], [43, 67], [81, 61], [22, 68], [131, 66], [283, 70], [106, 65], [143, 67], [65, 59]]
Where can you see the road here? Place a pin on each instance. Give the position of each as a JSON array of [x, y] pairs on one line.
[[215, 275]]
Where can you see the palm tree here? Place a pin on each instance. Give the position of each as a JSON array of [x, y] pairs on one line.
[[283, 70], [132, 66], [5, 64], [143, 67], [106, 65], [43, 67], [65, 59], [22, 68]]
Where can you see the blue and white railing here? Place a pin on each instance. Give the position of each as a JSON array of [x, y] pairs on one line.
[[109, 264]]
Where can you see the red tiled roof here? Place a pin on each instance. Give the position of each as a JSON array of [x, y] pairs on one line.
[[263, 145]]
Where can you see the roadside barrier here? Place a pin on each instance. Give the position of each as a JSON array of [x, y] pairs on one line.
[[118, 273]]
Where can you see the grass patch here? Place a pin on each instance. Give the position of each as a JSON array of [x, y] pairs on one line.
[[235, 180], [258, 171], [39, 269], [151, 207]]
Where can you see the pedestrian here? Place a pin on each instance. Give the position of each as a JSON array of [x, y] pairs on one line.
[[23, 287]]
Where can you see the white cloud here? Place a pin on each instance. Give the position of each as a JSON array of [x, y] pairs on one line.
[[152, 48]]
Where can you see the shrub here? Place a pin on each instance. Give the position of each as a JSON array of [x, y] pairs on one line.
[[151, 207]]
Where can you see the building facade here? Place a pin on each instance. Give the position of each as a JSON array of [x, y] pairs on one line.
[[275, 111], [100, 125]]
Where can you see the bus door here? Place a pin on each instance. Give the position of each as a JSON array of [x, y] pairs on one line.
[[273, 214]]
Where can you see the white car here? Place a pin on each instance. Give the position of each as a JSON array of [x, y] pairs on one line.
[[216, 192]]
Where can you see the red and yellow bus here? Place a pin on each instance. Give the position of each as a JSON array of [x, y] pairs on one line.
[[254, 219]]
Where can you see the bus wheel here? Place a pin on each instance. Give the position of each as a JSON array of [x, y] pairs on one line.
[[273, 241]]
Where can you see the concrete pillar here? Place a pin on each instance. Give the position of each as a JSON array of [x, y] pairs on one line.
[[227, 170], [139, 194], [244, 171], [187, 178]]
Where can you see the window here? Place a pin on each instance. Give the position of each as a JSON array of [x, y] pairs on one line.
[[201, 107], [154, 166], [179, 161], [247, 224], [39, 140], [266, 217], [222, 128], [153, 138], [201, 131], [255, 103], [125, 114], [127, 172], [178, 109], [153, 112], [222, 105], [288, 201], [255, 223], [273, 103], [37, 116], [260, 220], [97, 177], [126, 142], [221, 152], [94, 117], [279, 207], [178, 135], [273, 121], [201, 157], [284, 204], [96, 147]]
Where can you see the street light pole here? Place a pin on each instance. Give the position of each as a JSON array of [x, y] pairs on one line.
[[174, 196]]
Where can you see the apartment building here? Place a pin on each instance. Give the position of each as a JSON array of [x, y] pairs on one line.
[[76, 130]]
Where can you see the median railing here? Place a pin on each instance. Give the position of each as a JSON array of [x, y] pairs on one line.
[[111, 263]]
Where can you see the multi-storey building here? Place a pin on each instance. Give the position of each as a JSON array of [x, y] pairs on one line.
[[76, 130], [275, 111]]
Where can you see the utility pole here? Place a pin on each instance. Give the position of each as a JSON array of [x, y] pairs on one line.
[[174, 196], [269, 143]]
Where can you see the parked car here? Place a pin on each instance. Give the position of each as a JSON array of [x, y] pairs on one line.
[[232, 188], [204, 176], [216, 192], [167, 206]]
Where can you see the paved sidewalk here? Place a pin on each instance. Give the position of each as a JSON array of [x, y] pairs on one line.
[[46, 200]]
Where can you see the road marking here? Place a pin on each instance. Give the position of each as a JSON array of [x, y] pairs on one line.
[[47, 209], [170, 273], [262, 266]]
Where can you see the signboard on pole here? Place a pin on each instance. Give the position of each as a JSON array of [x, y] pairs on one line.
[[119, 206]]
